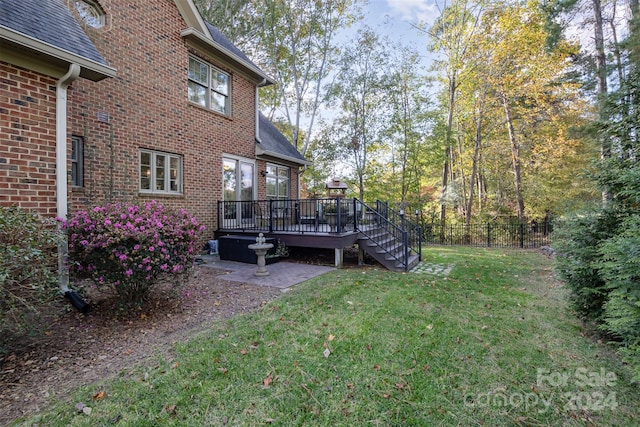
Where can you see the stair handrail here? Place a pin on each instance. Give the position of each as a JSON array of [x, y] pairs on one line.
[[382, 221], [413, 229]]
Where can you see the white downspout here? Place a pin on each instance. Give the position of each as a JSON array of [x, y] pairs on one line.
[[257, 107], [61, 170]]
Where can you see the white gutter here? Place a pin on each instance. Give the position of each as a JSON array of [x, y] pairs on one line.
[[91, 69], [61, 169], [262, 152]]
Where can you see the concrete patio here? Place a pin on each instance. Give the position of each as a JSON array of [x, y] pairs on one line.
[[282, 275]]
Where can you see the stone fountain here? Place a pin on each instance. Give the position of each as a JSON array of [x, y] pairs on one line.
[[261, 248]]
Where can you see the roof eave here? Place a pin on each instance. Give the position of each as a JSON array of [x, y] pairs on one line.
[[200, 40], [90, 69], [262, 152]]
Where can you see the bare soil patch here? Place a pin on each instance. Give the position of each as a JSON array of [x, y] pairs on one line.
[[67, 349]]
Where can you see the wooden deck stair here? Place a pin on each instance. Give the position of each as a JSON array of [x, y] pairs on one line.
[[387, 250]]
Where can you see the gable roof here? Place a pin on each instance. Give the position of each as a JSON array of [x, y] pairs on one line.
[[59, 42], [226, 44], [272, 143], [203, 35]]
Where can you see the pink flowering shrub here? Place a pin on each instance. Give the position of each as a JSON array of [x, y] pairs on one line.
[[128, 248]]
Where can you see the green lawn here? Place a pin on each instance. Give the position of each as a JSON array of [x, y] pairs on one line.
[[491, 343]]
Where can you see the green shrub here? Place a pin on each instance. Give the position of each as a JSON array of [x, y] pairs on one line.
[[28, 257], [577, 242], [620, 269], [126, 249]]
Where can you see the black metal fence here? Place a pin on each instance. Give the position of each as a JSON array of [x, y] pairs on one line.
[[492, 234]]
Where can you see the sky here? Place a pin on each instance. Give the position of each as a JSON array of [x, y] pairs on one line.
[[394, 18]]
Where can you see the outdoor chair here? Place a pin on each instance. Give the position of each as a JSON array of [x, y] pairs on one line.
[[309, 213]]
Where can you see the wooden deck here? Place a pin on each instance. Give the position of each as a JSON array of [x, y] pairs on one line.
[[313, 223], [300, 235]]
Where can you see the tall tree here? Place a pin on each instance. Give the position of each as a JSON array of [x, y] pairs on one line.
[[359, 94], [235, 18], [451, 35], [295, 42], [408, 125], [299, 38], [525, 77]]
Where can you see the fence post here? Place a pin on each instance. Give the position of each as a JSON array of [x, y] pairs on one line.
[[488, 234], [419, 243]]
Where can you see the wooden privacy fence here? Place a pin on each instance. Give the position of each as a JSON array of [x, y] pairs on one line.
[[491, 234]]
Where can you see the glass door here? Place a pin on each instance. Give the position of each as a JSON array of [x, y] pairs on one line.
[[237, 181]]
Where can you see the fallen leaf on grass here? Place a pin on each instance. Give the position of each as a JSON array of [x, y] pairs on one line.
[[100, 395], [267, 381], [430, 326], [326, 352], [331, 337]]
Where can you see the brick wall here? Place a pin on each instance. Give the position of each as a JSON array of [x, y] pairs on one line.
[[27, 140], [148, 108]]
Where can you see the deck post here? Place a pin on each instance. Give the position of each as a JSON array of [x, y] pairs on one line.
[[339, 257]]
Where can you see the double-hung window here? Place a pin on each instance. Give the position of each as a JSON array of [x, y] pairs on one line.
[[160, 172], [209, 87]]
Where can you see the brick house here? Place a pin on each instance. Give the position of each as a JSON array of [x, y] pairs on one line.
[[118, 100]]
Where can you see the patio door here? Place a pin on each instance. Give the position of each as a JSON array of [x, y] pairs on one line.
[[237, 180]]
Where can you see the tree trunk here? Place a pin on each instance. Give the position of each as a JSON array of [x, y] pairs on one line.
[[601, 70], [515, 158], [447, 150], [474, 167]]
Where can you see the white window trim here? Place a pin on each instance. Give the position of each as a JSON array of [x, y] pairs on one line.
[[211, 90], [278, 178], [167, 178]]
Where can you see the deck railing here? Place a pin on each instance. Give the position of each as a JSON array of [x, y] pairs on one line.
[[318, 215]]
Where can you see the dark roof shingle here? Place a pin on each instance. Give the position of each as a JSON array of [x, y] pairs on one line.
[[48, 21], [272, 141]]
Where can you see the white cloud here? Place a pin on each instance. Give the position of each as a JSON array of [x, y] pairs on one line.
[[414, 11]]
